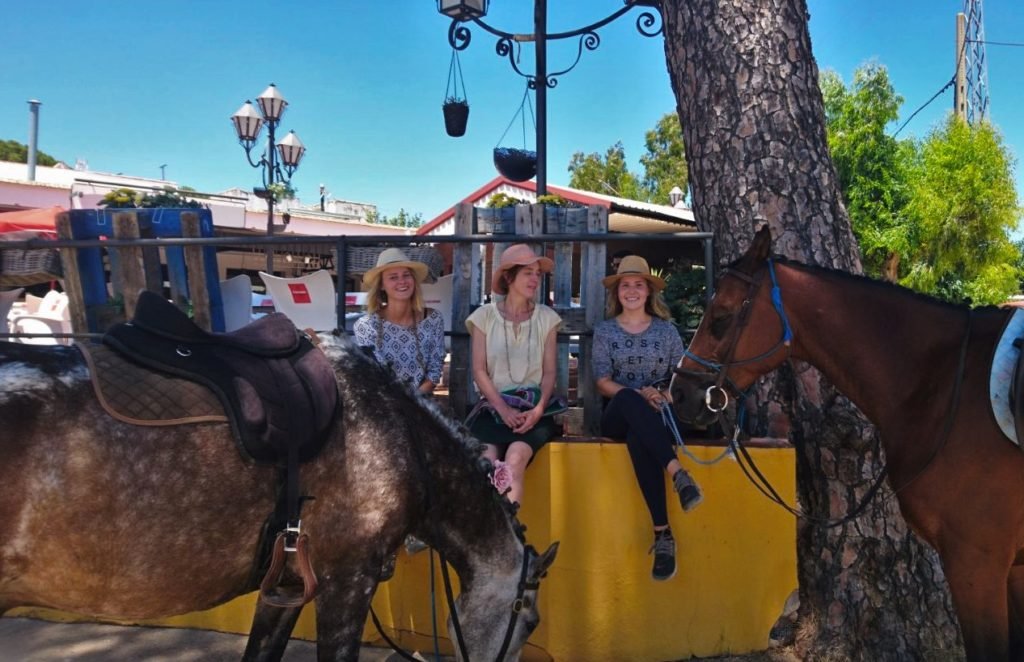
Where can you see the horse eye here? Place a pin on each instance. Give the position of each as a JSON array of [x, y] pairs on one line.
[[719, 325]]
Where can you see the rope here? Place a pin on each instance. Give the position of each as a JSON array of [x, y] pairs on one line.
[[519, 113], [433, 608], [669, 422], [451, 90]]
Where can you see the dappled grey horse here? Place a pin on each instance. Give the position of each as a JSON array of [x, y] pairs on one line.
[[115, 520]]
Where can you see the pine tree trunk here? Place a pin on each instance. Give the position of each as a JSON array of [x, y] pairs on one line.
[[753, 123]]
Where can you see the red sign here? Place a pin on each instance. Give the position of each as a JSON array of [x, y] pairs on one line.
[[299, 293]]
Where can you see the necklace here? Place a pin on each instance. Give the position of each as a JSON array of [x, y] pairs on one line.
[[529, 349]]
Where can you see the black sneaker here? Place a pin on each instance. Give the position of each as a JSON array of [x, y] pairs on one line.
[[689, 494], [664, 549]]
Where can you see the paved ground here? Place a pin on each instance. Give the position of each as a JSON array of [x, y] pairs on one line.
[[30, 640]]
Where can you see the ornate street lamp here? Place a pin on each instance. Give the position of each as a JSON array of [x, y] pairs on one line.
[[675, 196], [278, 165], [461, 11]]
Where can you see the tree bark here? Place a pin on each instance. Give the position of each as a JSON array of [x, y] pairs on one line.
[[746, 86]]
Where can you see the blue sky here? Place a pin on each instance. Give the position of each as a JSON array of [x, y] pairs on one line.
[[128, 86]]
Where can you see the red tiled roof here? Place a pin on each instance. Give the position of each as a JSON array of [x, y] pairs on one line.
[[569, 194]]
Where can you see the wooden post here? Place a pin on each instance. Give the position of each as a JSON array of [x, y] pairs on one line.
[[127, 271], [72, 277], [465, 290], [592, 298], [563, 302], [197, 276]]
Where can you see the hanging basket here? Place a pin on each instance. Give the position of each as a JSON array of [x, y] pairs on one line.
[[456, 113], [456, 104], [516, 164]]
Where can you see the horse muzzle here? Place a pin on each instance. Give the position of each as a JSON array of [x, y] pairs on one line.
[[698, 400]]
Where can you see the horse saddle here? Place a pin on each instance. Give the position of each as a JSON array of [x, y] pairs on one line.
[[278, 393], [1006, 379]]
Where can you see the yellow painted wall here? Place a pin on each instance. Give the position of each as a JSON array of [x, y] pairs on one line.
[[736, 556]]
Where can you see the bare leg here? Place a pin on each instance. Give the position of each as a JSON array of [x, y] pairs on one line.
[[517, 457], [270, 632]]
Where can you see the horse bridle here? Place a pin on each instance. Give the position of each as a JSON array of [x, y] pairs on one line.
[[518, 604], [717, 389], [716, 397]]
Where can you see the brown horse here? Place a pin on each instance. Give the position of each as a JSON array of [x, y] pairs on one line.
[[900, 357], [114, 520]]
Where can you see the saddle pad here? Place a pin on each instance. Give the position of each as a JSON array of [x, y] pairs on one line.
[[1001, 377], [137, 395]]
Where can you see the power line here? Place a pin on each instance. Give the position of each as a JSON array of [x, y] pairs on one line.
[[952, 81], [997, 43]]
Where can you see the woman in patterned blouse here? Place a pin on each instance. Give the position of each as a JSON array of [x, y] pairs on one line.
[[401, 332]]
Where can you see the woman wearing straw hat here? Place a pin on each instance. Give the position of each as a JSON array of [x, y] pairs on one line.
[[402, 333], [514, 365], [634, 351]]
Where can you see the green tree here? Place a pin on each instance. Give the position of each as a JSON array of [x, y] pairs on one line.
[[606, 174], [962, 208], [402, 219], [870, 164], [665, 161], [16, 152]]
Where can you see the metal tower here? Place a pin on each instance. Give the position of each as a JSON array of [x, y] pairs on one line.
[[975, 65]]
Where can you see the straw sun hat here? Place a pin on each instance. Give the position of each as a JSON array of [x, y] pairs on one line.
[[391, 258], [515, 255], [634, 265]]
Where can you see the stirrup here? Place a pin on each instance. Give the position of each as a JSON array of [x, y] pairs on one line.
[[275, 595]]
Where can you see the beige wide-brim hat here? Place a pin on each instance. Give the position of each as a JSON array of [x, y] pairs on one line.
[[634, 265], [391, 258], [514, 255]]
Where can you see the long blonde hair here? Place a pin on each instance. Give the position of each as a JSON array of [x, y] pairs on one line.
[[377, 298], [654, 306]]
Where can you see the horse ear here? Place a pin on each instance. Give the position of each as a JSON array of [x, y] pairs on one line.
[[761, 247], [544, 561]]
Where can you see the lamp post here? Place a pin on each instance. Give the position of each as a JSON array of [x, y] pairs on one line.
[[675, 196], [459, 36], [278, 165]]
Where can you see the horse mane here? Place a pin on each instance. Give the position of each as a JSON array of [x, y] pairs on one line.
[[470, 447], [875, 283]]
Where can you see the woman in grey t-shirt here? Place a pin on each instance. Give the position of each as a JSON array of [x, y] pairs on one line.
[[634, 352]]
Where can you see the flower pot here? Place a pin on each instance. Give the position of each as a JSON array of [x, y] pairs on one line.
[[496, 220], [565, 220], [456, 113], [518, 165]]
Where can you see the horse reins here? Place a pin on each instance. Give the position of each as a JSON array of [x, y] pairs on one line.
[[721, 369]]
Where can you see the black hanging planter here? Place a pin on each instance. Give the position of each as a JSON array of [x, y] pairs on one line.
[[516, 164], [456, 112], [456, 104]]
